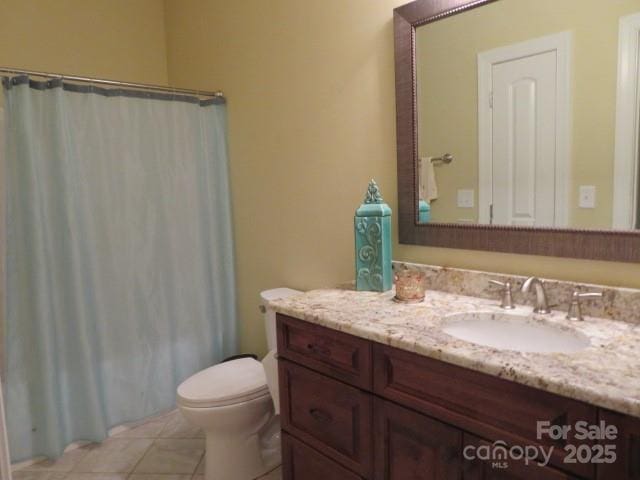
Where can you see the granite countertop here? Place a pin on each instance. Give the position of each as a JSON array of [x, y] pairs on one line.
[[606, 374]]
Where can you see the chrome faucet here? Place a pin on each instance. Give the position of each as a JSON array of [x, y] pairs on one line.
[[542, 306], [575, 309], [507, 300]]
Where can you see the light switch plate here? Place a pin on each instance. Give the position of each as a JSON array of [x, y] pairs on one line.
[[587, 196], [466, 198]]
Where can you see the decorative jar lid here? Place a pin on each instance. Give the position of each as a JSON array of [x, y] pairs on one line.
[[374, 205]]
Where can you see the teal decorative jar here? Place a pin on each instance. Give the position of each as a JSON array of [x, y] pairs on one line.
[[372, 224], [424, 212]]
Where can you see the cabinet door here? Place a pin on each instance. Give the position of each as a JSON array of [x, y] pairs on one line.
[[328, 415], [410, 446], [300, 462], [627, 448], [507, 469]]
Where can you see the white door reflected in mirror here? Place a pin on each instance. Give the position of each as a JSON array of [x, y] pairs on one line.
[[524, 126]]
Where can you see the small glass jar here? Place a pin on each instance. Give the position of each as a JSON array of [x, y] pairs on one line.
[[410, 285]]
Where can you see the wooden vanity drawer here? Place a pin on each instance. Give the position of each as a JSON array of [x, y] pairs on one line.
[[333, 353], [482, 404], [330, 416], [300, 462]]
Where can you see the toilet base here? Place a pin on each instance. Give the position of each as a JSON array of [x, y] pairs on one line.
[[242, 440], [238, 459]]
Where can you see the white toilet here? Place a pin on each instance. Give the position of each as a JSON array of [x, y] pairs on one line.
[[236, 404]]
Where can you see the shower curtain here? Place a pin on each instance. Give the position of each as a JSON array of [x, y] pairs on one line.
[[119, 266]]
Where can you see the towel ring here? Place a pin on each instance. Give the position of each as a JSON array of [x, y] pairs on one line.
[[447, 158]]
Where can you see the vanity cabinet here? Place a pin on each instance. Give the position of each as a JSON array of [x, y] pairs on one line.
[[352, 408]]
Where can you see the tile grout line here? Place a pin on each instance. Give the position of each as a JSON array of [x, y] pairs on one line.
[[195, 471], [192, 474], [153, 441]]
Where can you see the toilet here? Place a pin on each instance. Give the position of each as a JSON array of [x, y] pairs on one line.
[[236, 404]]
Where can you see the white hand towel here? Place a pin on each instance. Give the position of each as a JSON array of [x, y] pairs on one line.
[[428, 185]]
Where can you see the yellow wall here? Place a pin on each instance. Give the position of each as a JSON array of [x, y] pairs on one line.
[[311, 88], [447, 74], [115, 39]]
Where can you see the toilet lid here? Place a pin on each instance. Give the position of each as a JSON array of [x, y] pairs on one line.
[[227, 383]]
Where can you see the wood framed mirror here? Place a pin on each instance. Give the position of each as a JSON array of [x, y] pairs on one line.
[[587, 207]]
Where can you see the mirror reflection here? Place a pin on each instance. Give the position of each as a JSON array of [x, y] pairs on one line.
[[528, 115]]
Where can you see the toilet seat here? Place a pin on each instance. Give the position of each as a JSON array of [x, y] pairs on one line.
[[228, 383]]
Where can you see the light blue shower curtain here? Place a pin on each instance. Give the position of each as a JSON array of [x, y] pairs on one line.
[[119, 268]]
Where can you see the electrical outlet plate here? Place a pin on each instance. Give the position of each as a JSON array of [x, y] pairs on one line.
[[587, 196], [466, 198]]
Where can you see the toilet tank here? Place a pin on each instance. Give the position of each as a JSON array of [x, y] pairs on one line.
[[270, 315]]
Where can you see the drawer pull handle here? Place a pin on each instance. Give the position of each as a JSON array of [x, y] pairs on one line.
[[318, 349], [320, 415]]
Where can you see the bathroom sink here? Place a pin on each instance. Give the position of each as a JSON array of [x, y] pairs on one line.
[[513, 331]]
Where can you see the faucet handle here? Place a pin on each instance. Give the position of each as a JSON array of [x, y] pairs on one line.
[[575, 309], [507, 300]]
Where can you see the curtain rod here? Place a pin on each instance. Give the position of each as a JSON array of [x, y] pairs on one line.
[[102, 81]]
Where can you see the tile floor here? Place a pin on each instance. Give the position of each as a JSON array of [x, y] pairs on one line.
[[164, 448]]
